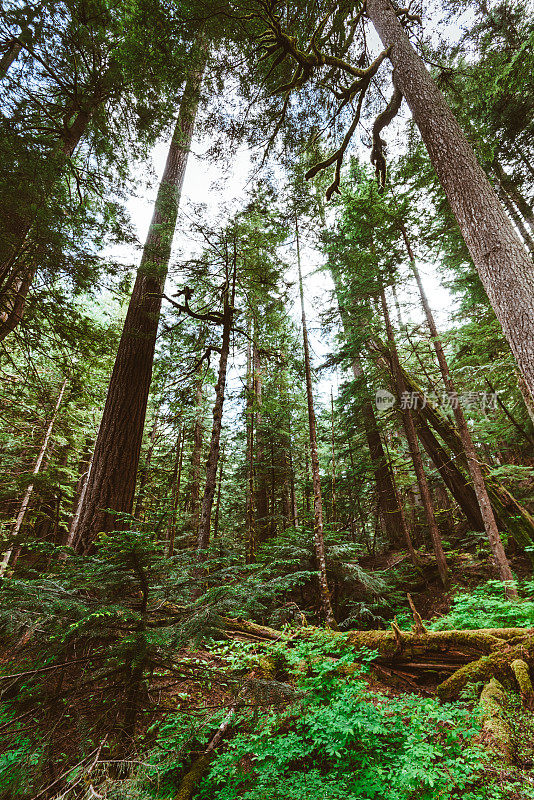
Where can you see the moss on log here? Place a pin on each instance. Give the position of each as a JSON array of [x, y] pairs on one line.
[[387, 644], [493, 702], [190, 781], [497, 664], [522, 675]]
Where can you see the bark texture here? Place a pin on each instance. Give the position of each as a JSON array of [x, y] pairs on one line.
[[111, 484], [475, 470], [411, 437], [504, 266], [318, 526]]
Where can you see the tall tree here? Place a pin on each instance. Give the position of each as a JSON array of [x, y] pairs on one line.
[[475, 471], [411, 437], [227, 320], [111, 484], [318, 524], [504, 266]]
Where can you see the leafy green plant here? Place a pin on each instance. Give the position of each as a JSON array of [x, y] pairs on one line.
[[342, 740], [487, 606]]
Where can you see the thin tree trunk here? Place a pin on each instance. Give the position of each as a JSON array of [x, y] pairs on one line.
[[509, 186], [294, 507], [415, 453], [111, 484], [16, 274], [390, 502], [213, 454], [490, 523], [144, 472], [504, 266], [516, 218], [36, 469], [250, 538], [219, 492], [334, 502], [260, 494], [193, 493], [326, 602], [175, 484]]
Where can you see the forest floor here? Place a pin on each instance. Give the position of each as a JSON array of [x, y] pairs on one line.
[[440, 699]]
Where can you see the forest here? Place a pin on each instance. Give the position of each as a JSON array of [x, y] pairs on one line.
[[267, 400]]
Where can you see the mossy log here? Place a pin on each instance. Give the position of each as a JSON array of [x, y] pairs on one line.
[[410, 644], [190, 781], [471, 656], [522, 675], [495, 665], [493, 703], [250, 630]]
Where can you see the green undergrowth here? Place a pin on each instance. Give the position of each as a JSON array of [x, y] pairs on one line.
[[336, 737], [485, 606]]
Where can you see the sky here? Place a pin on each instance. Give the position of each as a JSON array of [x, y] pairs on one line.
[[221, 186]]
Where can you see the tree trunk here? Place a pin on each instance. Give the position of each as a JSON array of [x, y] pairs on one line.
[[390, 504], [260, 494], [326, 602], [36, 469], [510, 187], [334, 499], [415, 453], [175, 490], [294, 506], [219, 492], [11, 54], [250, 539], [484, 504], [18, 269], [144, 472], [193, 491], [111, 484], [213, 454], [516, 218], [504, 266]]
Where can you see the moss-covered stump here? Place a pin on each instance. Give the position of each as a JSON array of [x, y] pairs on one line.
[[501, 735]]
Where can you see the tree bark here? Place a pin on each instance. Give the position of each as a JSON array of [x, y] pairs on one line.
[[516, 218], [510, 187], [261, 500], [175, 490], [390, 503], [193, 491], [213, 454], [504, 266], [318, 527], [111, 484], [475, 471], [219, 492], [415, 453], [250, 538]]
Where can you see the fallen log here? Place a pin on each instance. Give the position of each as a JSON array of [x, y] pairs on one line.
[[501, 735], [495, 665]]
